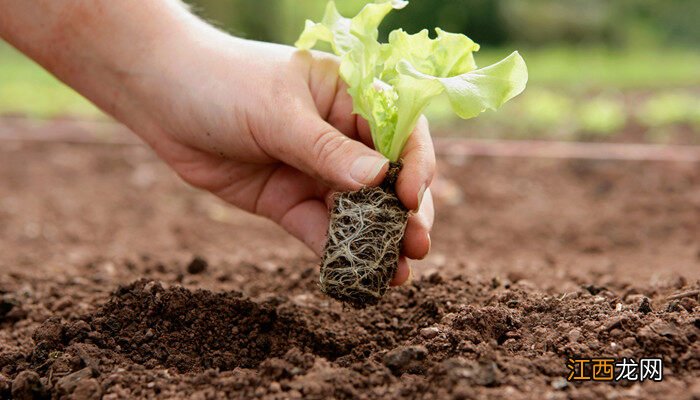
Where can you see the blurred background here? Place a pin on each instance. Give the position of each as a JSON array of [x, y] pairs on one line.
[[600, 70]]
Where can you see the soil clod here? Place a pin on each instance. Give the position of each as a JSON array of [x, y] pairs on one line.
[[645, 306], [27, 386], [405, 359], [68, 383], [5, 386], [429, 332], [593, 289], [197, 265], [6, 305], [51, 331], [476, 373], [194, 331], [87, 389]]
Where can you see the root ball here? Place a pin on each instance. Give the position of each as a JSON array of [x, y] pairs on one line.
[[364, 242]]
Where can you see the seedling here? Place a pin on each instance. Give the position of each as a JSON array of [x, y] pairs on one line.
[[391, 84]]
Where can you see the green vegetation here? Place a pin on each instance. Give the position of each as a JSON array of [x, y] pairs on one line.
[[584, 68], [602, 116], [652, 24], [669, 108], [589, 61], [27, 89]]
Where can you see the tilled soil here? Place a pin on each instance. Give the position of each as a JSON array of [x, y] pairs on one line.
[[118, 281]]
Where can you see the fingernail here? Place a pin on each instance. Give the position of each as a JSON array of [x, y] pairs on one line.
[[421, 192], [366, 168]]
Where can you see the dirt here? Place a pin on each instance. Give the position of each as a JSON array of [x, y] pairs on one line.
[[119, 281], [362, 253]]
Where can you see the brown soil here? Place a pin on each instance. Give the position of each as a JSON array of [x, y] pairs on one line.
[[362, 253], [117, 280]]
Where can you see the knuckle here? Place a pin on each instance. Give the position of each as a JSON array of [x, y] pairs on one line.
[[328, 62], [327, 146], [198, 179]]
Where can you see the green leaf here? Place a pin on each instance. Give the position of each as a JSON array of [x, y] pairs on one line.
[[474, 92], [447, 55], [392, 83]]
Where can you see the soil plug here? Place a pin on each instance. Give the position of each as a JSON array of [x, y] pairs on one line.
[[390, 85], [364, 243]]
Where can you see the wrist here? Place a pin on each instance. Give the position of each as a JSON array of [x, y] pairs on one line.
[[98, 47]]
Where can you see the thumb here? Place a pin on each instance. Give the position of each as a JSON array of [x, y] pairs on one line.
[[318, 149]]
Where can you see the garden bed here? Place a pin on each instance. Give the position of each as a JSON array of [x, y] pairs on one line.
[[119, 280]]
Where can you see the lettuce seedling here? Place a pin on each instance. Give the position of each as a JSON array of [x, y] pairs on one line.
[[390, 85]]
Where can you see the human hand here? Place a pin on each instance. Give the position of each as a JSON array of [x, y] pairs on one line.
[[265, 127], [270, 130]]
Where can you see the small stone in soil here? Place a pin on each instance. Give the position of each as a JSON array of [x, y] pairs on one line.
[[593, 289], [6, 305], [275, 387], [88, 389], [197, 265], [480, 373], [574, 335], [28, 386], [429, 332], [487, 374], [645, 306], [401, 359], [559, 383], [673, 306], [68, 383], [5, 385]]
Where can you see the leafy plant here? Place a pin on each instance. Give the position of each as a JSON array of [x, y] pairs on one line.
[[670, 108], [546, 110], [602, 116], [392, 83]]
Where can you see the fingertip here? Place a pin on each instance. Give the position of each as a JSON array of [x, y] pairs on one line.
[[403, 273], [417, 245], [417, 242]]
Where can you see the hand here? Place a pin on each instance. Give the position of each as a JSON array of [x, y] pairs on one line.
[[270, 130], [265, 127]]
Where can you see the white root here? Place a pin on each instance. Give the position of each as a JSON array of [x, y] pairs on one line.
[[364, 242]]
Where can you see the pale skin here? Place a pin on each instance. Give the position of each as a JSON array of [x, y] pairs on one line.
[[265, 127]]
